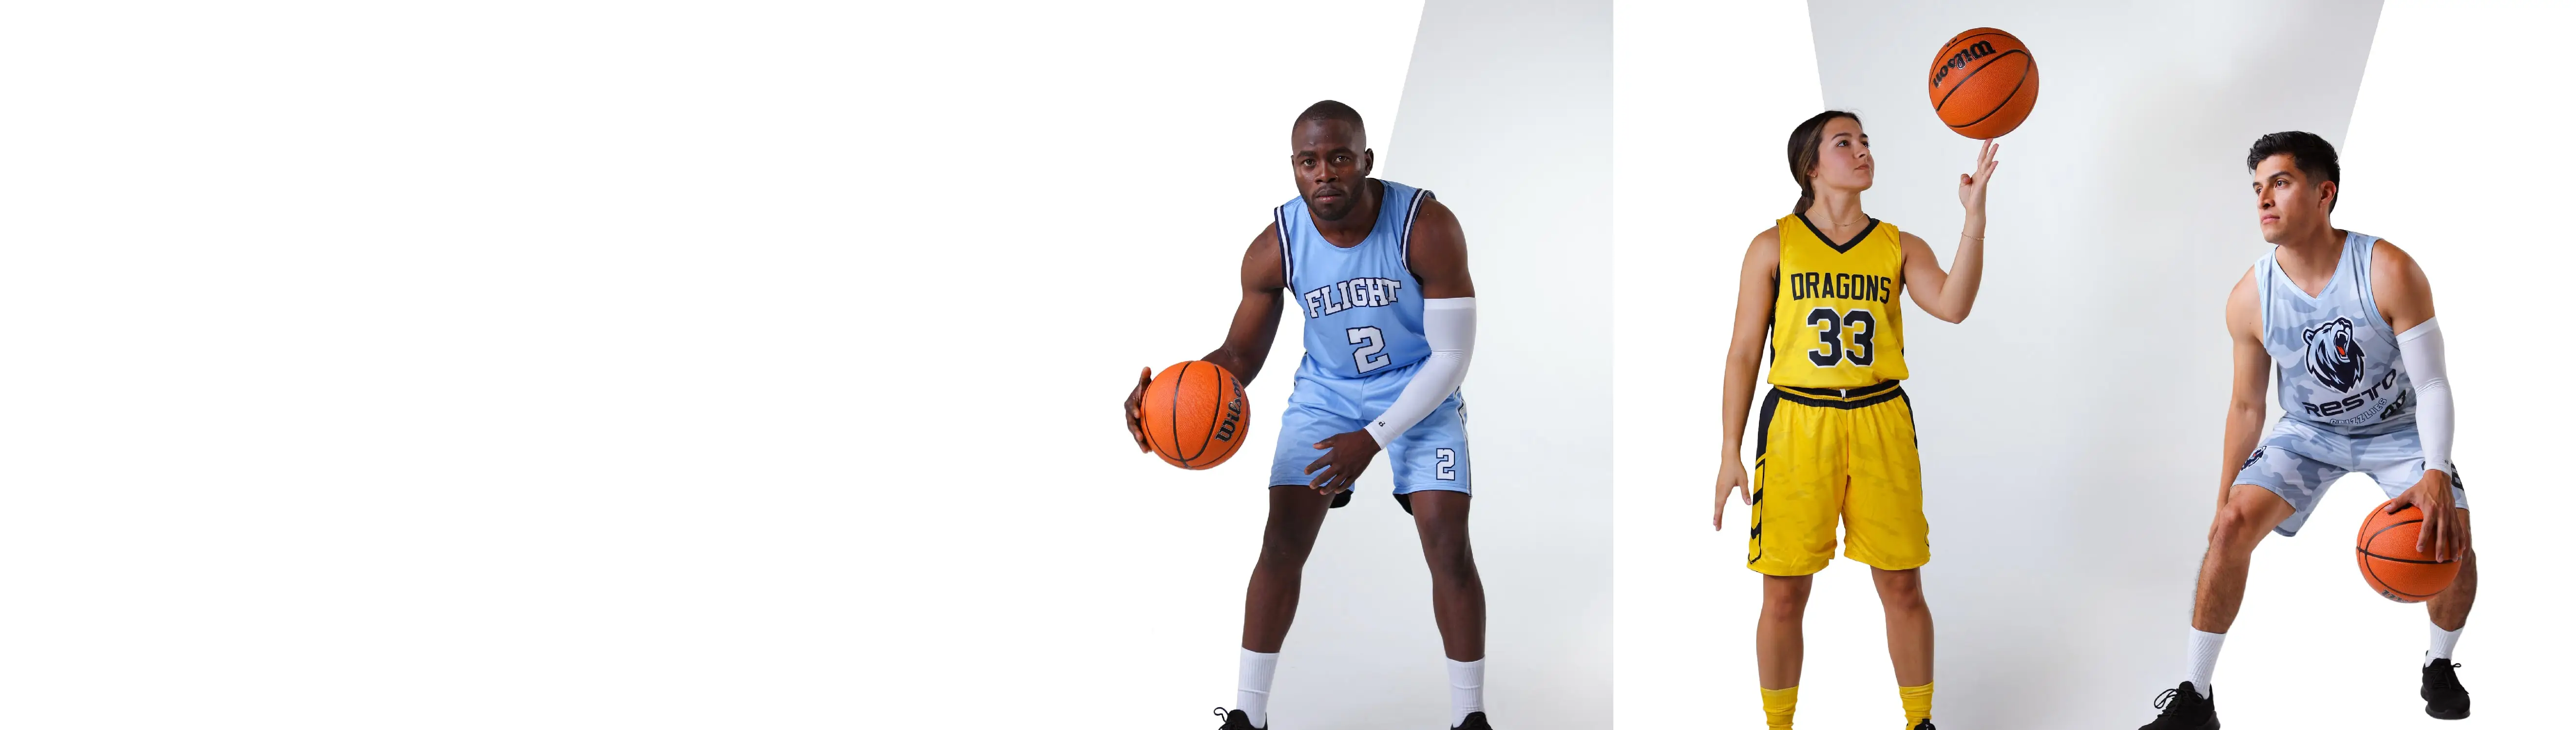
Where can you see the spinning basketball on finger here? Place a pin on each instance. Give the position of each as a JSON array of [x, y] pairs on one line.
[[1820, 290], [2342, 322], [1377, 270]]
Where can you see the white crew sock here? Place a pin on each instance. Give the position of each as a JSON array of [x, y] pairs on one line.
[[2204, 658], [1466, 690], [1252, 675], [2443, 643]]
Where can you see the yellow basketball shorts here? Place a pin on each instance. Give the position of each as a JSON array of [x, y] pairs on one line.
[[1827, 453]]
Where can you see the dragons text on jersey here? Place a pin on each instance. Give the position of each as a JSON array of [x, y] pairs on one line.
[[1834, 323]]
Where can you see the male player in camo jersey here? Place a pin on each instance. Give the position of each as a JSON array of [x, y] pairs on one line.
[[2346, 319], [1379, 271]]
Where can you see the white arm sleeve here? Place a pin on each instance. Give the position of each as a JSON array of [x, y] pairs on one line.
[[1450, 325], [2421, 349]]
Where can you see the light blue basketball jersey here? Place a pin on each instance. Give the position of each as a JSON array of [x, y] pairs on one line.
[[1362, 307], [2336, 356]]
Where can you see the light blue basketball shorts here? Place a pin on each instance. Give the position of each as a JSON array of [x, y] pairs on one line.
[[2299, 460], [1430, 455]]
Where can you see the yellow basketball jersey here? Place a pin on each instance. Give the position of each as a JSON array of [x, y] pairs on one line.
[[1834, 317]]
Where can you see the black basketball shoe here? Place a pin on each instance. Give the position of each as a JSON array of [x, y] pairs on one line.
[[1474, 721], [2444, 698], [1926, 724], [1235, 720], [2184, 709]]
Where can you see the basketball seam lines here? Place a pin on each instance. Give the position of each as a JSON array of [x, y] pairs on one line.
[[2403, 560], [1177, 379], [2017, 84], [1981, 68], [1963, 80], [2373, 574], [1216, 409]]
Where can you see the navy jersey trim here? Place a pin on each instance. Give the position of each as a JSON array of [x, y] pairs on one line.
[[1844, 247], [1404, 235], [1287, 258], [1847, 398]]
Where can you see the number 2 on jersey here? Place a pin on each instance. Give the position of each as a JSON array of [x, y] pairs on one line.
[[1864, 326], [1367, 356]]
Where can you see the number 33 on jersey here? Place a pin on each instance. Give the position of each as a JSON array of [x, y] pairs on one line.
[[1834, 320]]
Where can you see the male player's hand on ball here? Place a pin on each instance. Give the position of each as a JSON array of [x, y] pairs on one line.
[[1730, 479], [1136, 410], [2445, 535], [1346, 455]]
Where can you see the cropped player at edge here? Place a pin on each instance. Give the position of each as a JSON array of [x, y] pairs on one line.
[[1836, 438], [1378, 271], [2345, 320]]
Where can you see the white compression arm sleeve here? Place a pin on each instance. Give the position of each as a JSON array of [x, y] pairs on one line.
[[1450, 325], [2421, 349]]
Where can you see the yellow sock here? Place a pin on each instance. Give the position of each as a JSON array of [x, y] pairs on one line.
[[1918, 703], [1779, 705]]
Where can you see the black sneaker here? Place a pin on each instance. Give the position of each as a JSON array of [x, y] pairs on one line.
[[1235, 720], [2184, 709], [2444, 698], [1474, 721], [1926, 724]]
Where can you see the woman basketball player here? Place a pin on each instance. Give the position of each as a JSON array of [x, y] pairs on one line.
[[1837, 433]]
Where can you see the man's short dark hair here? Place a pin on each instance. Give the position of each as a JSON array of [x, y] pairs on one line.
[[1332, 110], [2313, 156]]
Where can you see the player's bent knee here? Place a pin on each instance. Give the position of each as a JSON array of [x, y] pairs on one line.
[[2240, 524]]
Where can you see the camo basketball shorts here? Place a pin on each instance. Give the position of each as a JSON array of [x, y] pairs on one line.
[[2299, 460]]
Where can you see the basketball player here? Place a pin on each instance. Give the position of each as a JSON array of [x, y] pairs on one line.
[[2347, 318], [1379, 271], [1837, 433]]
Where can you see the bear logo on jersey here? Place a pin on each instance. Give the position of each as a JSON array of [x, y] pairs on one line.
[[2333, 356]]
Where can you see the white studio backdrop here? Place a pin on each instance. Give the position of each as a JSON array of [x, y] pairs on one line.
[[1699, 171], [586, 364], [2068, 427]]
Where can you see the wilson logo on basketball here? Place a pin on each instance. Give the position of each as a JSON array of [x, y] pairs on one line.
[[1974, 51], [1233, 414]]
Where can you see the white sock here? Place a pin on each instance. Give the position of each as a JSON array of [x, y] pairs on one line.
[[2443, 643], [1252, 675], [2204, 658], [1466, 689]]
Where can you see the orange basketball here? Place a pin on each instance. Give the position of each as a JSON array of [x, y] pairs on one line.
[[2389, 561], [1195, 415], [1984, 83]]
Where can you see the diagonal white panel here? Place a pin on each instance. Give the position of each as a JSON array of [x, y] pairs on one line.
[[1706, 91], [545, 364]]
